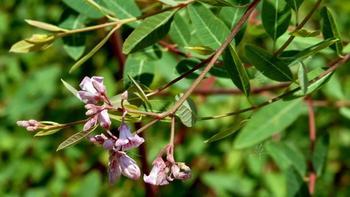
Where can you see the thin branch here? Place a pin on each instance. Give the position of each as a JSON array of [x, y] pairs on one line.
[[332, 67], [301, 25], [214, 58], [172, 131], [172, 48], [312, 137]]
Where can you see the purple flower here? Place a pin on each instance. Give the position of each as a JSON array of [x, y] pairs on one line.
[[98, 139], [98, 115], [30, 125], [129, 167], [121, 163], [92, 90], [126, 140], [158, 174]]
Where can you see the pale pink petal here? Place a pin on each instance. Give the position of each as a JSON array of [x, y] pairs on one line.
[[114, 170], [158, 174], [129, 167], [86, 84], [104, 119], [90, 123], [126, 140]]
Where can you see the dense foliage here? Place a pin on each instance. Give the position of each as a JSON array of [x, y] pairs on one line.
[[252, 94]]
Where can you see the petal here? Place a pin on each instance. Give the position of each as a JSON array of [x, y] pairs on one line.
[[90, 123], [134, 142], [157, 176], [99, 87], [104, 119], [129, 167], [86, 84], [114, 170], [124, 131], [98, 79], [88, 97]]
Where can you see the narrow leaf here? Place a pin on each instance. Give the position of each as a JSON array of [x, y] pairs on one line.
[[45, 26], [210, 30], [139, 69], [84, 7], [296, 186], [302, 77], [151, 30], [330, 30], [224, 133], [236, 70], [46, 132], [35, 43], [230, 16], [217, 2], [268, 65], [272, 119], [304, 33], [124, 9], [93, 51], [140, 93], [70, 88], [276, 16], [187, 112], [75, 138]]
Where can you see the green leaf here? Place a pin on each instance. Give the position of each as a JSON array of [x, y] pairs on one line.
[[70, 88], [310, 51], [93, 51], [305, 33], [269, 120], [296, 186], [286, 156], [124, 9], [330, 30], [75, 138], [46, 132], [312, 86], [180, 31], [186, 112], [224, 133], [236, 70], [230, 16], [294, 4], [74, 44], [139, 69], [140, 93], [319, 156], [85, 8], [210, 30], [35, 43], [217, 2], [276, 16], [345, 112], [151, 30], [185, 65], [302, 77], [267, 64], [45, 26]]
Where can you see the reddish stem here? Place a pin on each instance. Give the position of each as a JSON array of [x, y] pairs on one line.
[[312, 137]]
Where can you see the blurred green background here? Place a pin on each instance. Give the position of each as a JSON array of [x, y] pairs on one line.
[[30, 87]]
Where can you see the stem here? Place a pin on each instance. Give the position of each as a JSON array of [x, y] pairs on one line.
[[332, 67], [201, 64], [312, 137], [146, 126], [301, 25], [172, 132], [143, 113], [214, 58]]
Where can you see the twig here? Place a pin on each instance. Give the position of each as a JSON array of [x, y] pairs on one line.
[[301, 25], [312, 137], [214, 58], [172, 48], [332, 67]]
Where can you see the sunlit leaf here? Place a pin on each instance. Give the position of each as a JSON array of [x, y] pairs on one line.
[[46, 132], [151, 30], [302, 77], [305, 33], [224, 133], [217, 2], [210, 30], [75, 138], [84, 7], [124, 9], [180, 31], [269, 120], [186, 112], [35, 43], [45, 26], [70, 88]]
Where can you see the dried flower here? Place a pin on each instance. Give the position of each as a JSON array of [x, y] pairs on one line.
[[98, 114], [158, 174], [126, 140]]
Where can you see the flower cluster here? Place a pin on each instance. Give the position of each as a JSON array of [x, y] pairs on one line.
[[93, 93]]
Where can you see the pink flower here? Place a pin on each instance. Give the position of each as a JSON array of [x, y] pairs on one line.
[[92, 90], [126, 140], [158, 174], [129, 167], [98, 139], [121, 163], [180, 171], [98, 115], [30, 125]]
